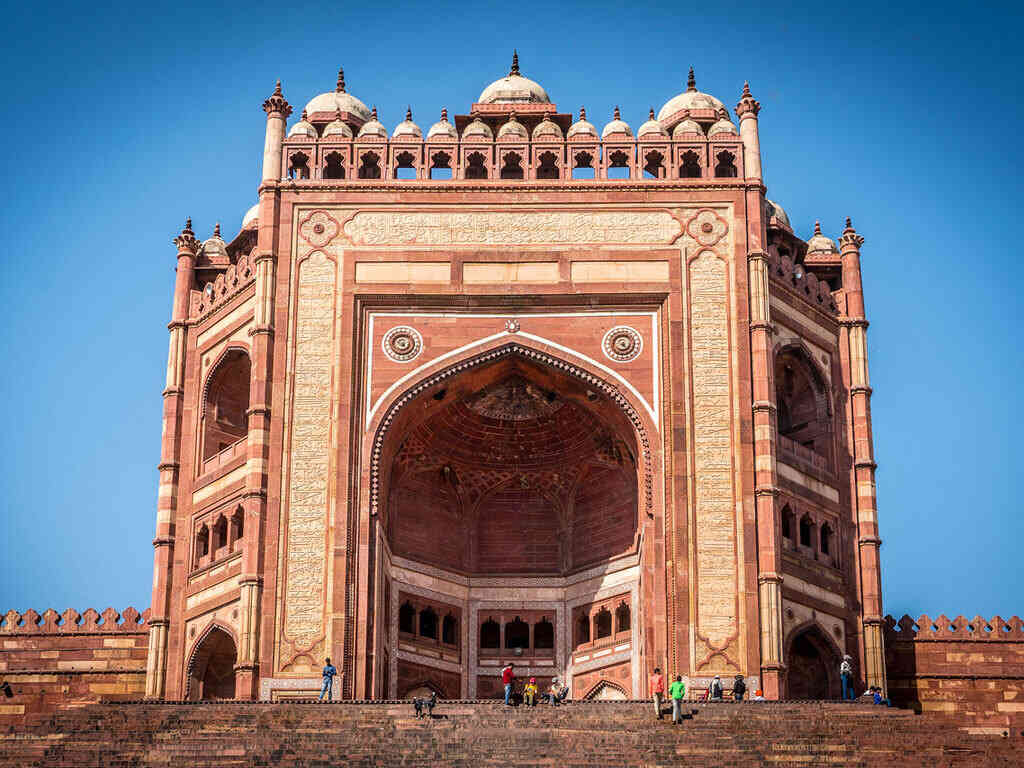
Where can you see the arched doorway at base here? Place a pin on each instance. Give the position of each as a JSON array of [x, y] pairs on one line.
[[812, 666], [212, 670]]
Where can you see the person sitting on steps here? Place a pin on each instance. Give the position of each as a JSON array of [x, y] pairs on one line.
[[556, 693], [530, 693]]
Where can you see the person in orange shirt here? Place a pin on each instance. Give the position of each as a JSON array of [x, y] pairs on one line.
[[657, 690]]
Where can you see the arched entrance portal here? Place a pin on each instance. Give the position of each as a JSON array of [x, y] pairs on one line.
[[508, 492], [212, 671], [813, 667]]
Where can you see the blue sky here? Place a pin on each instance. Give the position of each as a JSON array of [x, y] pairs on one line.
[[122, 120]]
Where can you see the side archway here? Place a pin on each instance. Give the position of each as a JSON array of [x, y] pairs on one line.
[[211, 667], [812, 664]]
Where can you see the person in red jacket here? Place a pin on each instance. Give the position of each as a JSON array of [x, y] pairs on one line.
[[507, 676], [657, 690]]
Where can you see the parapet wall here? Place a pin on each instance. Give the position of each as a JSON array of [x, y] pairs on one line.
[[55, 661], [970, 671]]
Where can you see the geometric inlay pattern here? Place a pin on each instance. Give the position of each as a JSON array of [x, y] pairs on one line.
[[622, 344]]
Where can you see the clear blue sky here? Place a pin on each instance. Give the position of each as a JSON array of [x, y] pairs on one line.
[[123, 120]]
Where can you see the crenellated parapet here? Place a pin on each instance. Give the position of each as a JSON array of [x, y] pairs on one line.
[[978, 629], [803, 282], [72, 622]]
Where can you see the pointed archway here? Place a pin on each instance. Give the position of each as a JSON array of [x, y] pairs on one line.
[[812, 663], [212, 667]]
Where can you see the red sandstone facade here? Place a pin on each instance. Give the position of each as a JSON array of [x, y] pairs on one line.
[[514, 391]]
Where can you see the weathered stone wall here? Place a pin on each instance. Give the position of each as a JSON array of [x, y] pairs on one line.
[[56, 660], [970, 671]]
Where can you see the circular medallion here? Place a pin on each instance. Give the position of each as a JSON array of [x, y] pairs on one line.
[[402, 343], [622, 344]]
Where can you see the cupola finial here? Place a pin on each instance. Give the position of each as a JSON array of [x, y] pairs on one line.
[[188, 221], [849, 224], [305, 116], [515, 63], [650, 115], [341, 81], [583, 113], [691, 81], [373, 112], [817, 228], [616, 115], [444, 114], [408, 113], [216, 229]]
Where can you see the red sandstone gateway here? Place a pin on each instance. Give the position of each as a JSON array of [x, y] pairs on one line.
[[515, 389]]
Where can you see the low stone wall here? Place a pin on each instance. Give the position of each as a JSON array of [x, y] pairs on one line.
[[970, 671], [55, 661]]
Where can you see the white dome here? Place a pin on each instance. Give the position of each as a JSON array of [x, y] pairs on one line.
[[775, 210], [513, 129], [407, 129], [617, 125], [337, 127], [373, 127], [251, 216], [514, 89], [691, 98], [651, 128], [478, 130], [214, 249], [338, 100], [442, 129], [819, 243], [547, 130], [302, 128], [687, 126], [582, 127], [722, 126]]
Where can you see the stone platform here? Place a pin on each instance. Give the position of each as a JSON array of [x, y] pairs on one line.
[[486, 733]]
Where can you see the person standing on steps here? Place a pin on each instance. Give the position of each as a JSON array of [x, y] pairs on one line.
[[715, 692], [846, 675], [738, 688], [657, 690], [507, 677], [328, 686], [677, 690]]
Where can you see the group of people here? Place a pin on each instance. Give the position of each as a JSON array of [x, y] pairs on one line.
[[677, 692], [556, 693]]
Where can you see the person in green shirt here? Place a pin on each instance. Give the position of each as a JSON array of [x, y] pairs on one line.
[[676, 691]]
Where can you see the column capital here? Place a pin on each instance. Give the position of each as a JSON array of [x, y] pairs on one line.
[[766, 327], [171, 326], [748, 106], [250, 581], [172, 392], [861, 391], [764, 406], [258, 410], [865, 464], [276, 103], [187, 243], [869, 541], [766, 490], [168, 465], [853, 322], [769, 578], [850, 240], [158, 623], [264, 256], [254, 493], [261, 330], [757, 256], [163, 541]]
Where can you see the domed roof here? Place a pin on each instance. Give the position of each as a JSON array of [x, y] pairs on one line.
[[581, 127], [442, 129], [651, 128], [213, 250], [547, 130], [776, 211], [338, 100], [407, 129], [302, 128], [819, 243], [691, 98], [251, 216], [337, 127], [373, 127], [687, 126], [722, 126], [514, 89], [617, 125], [513, 129], [478, 130]]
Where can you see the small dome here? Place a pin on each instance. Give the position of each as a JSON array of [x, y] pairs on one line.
[[722, 126], [337, 127], [691, 98], [442, 129], [302, 128], [687, 126], [339, 100], [547, 130], [214, 250], [407, 129], [513, 129], [819, 243], [373, 128], [478, 130], [514, 89], [581, 127], [776, 211], [617, 125], [652, 128], [251, 216]]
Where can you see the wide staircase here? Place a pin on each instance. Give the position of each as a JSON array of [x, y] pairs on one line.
[[485, 733]]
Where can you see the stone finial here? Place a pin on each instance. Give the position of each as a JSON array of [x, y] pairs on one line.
[[849, 225], [748, 105], [304, 117], [817, 228], [373, 112], [277, 104], [444, 114], [691, 81], [216, 229], [408, 114], [616, 115], [186, 241], [583, 113], [340, 88], [850, 238], [650, 115], [515, 63]]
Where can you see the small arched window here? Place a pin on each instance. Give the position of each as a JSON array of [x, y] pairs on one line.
[[512, 167], [202, 543], [804, 417], [548, 168], [654, 164], [787, 523], [369, 166], [826, 539], [544, 634], [490, 634], [298, 166], [690, 167], [407, 618], [583, 629], [806, 532], [476, 166], [725, 167], [517, 634], [334, 167], [440, 165], [428, 623], [622, 618], [449, 630], [237, 525], [583, 165], [405, 167], [220, 534], [618, 165], [603, 624], [225, 412]]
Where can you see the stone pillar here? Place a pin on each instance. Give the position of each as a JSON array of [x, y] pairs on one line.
[[277, 110], [170, 457], [868, 542], [746, 111]]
